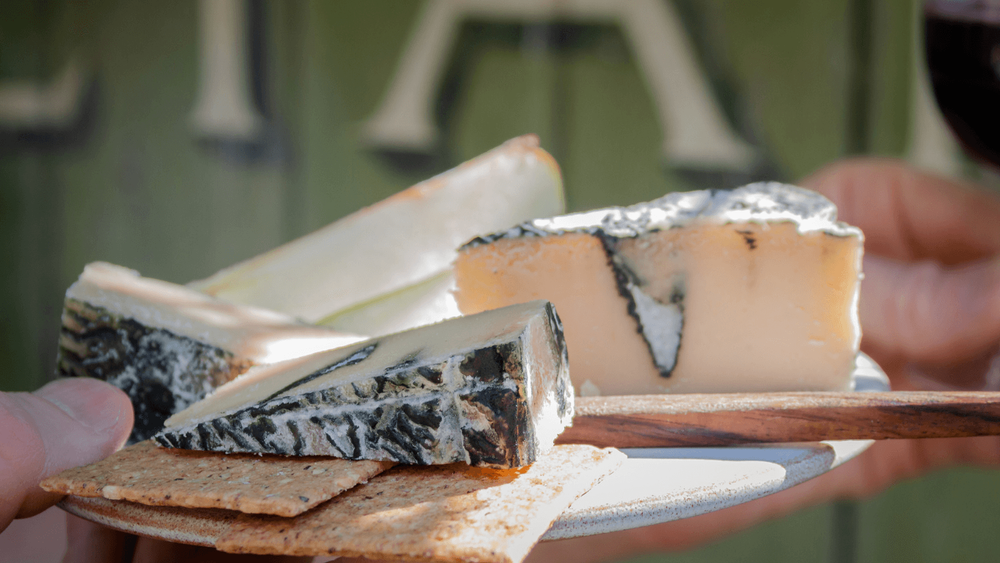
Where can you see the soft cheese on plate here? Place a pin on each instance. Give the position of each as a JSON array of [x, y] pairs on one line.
[[387, 267], [166, 345], [753, 289], [491, 389]]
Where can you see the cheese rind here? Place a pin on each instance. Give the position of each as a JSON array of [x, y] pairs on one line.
[[753, 289], [489, 390], [167, 346]]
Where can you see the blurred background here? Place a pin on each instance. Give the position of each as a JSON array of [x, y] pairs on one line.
[[178, 137]]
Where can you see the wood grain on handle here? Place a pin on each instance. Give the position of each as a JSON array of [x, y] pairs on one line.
[[725, 419]]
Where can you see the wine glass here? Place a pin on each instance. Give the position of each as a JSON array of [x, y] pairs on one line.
[[962, 43], [962, 48]]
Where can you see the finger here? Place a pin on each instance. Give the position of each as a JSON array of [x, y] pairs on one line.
[[64, 424], [158, 551], [92, 543], [927, 312], [910, 215]]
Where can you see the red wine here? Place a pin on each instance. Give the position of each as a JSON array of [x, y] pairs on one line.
[[962, 41]]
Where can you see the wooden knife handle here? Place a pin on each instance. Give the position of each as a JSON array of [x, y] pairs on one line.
[[725, 419]]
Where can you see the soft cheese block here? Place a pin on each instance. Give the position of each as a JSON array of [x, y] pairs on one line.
[[341, 274], [753, 289], [491, 389], [166, 345]]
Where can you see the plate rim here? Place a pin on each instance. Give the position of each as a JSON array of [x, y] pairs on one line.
[[819, 458]]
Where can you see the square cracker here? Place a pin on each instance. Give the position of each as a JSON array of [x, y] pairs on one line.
[[148, 474], [444, 513], [438, 513]]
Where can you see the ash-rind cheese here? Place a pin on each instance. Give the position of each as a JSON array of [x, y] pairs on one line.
[[753, 289], [167, 346], [490, 390]]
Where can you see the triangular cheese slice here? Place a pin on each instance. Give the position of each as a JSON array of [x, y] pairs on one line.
[[489, 390], [166, 345], [337, 275]]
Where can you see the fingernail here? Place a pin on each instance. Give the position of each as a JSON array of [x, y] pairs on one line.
[[92, 403]]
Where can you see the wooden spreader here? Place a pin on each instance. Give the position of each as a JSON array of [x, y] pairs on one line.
[[725, 419]]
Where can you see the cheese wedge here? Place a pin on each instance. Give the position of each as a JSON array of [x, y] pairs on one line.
[[167, 346], [753, 289], [489, 390], [387, 267]]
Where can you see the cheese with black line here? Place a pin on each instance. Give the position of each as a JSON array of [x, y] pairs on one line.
[[167, 346], [490, 390], [753, 289]]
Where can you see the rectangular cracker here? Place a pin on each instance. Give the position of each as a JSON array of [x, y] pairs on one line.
[[438, 513], [148, 474], [193, 526]]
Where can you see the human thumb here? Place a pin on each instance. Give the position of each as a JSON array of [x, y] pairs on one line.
[[65, 424], [928, 312]]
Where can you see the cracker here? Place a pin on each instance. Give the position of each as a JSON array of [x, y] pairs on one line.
[[438, 513], [148, 474], [201, 526]]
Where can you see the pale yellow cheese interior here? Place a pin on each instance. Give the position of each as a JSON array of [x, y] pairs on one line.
[[778, 316], [572, 270]]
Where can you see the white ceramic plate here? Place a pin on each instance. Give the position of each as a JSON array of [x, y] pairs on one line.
[[653, 486], [657, 485]]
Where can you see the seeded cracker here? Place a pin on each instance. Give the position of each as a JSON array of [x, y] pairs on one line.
[[194, 526], [148, 474], [442, 514]]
